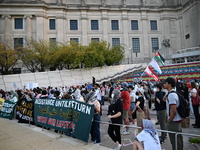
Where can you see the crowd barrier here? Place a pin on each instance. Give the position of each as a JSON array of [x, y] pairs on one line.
[[136, 127]]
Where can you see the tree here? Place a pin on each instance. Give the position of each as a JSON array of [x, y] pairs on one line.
[[8, 57], [36, 55], [114, 55]]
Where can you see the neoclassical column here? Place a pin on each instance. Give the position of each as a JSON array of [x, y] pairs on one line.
[[124, 28], [84, 27], [28, 26], [146, 50], [60, 28], [105, 25], [7, 26]]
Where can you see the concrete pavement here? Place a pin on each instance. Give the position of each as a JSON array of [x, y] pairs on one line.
[[17, 136]]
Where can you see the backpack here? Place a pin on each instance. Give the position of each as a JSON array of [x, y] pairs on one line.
[[183, 109]]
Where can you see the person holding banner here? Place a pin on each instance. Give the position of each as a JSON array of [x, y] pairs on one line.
[[115, 115], [95, 128]]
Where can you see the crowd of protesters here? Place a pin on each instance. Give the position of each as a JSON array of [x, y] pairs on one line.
[[128, 104]]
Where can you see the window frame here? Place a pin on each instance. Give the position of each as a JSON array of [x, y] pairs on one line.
[[22, 23], [153, 27], [115, 27], [52, 26], [92, 22], [135, 48], [132, 25], [71, 25], [113, 43], [153, 44]]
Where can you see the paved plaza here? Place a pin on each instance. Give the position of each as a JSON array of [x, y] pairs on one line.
[[17, 136]]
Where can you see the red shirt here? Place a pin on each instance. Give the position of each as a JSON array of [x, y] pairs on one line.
[[125, 96]]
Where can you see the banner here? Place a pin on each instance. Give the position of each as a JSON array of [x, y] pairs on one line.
[[1, 102], [24, 111], [71, 116], [7, 110]]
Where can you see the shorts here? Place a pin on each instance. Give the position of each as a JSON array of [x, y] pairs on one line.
[[125, 114], [132, 106]]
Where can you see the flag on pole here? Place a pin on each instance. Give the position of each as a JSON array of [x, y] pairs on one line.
[[155, 65], [159, 58], [150, 73]]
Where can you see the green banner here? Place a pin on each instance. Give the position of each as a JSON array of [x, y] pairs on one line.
[[71, 116], [7, 110]]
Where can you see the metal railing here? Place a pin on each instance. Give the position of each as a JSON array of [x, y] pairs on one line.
[[136, 127]]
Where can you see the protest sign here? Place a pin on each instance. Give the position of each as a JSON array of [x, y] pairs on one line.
[[7, 110], [1, 102], [71, 116], [24, 111]]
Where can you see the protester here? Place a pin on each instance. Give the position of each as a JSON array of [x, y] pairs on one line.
[[174, 119], [126, 106], [132, 105], [95, 128], [195, 104], [147, 93], [160, 105], [148, 136], [115, 114], [103, 93], [140, 108]]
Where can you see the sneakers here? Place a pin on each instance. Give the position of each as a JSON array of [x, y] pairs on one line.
[[161, 141], [126, 132], [157, 123], [97, 143], [118, 147]]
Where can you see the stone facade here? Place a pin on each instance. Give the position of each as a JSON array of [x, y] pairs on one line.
[[178, 21]]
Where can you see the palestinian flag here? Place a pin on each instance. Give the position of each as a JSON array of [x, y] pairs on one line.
[[159, 58]]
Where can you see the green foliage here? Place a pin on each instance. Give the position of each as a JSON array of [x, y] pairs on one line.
[[195, 140], [40, 55], [8, 57]]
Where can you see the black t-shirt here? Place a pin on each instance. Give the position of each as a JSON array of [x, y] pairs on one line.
[[141, 100], [114, 109], [162, 104]]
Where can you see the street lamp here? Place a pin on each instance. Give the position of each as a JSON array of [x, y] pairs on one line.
[[130, 49]]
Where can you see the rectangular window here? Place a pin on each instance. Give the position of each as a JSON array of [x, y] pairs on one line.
[[94, 25], [115, 24], [74, 39], [134, 25], [73, 25], [52, 24], [52, 40], [155, 44], [115, 41], [18, 23], [95, 39], [153, 25], [18, 42], [136, 45]]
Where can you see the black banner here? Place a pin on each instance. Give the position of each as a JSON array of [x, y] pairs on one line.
[[24, 111]]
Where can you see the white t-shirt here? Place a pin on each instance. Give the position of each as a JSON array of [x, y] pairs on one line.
[[149, 141], [173, 99], [132, 95]]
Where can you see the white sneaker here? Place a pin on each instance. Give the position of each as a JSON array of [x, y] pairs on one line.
[[118, 147], [126, 132]]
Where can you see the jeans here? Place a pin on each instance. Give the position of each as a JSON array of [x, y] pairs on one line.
[[162, 118], [95, 129], [176, 127], [102, 100]]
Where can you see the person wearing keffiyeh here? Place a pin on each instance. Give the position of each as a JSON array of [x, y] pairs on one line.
[[148, 136], [115, 115]]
